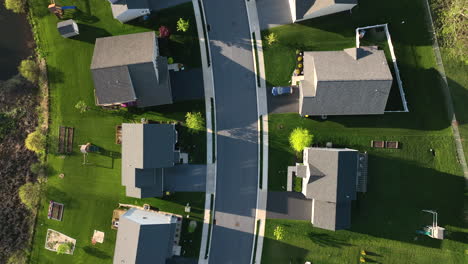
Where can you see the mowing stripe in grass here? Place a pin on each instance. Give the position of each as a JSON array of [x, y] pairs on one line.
[[205, 35], [257, 67]]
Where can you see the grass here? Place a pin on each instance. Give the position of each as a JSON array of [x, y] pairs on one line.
[[91, 192], [401, 182]]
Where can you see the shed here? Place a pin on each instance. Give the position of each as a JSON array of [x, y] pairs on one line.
[[68, 28]]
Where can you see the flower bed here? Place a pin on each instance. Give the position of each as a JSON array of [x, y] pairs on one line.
[[54, 239]]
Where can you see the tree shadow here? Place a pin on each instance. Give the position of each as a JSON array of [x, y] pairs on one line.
[[85, 17], [96, 252], [325, 240], [55, 75]]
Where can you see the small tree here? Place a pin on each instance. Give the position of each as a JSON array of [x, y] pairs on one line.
[[36, 142], [300, 138], [81, 106], [17, 6], [278, 233], [63, 248], [183, 25], [29, 194], [29, 70], [164, 32], [271, 38], [195, 122]]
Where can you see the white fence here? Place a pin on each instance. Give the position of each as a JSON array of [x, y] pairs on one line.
[[394, 60]]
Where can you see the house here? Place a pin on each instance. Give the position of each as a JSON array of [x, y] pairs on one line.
[[146, 150], [307, 9], [353, 81], [68, 28], [330, 178], [128, 70], [126, 10], [145, 237]]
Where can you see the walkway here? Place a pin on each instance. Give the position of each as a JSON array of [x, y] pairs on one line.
[[237, 135]]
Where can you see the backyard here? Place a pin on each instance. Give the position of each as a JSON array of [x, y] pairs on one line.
[[402, 182], [91, 192]]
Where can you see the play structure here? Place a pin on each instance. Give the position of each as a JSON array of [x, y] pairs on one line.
[[88, 148], [433, 231], [58, 10]]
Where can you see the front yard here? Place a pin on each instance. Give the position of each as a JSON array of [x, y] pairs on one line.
[[91, 192], [402, 182]]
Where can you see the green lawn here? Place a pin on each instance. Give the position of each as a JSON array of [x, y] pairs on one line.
[[91, 192], [401, 182]]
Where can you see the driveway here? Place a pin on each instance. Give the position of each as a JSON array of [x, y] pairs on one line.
[[187, 85], [283, 103], [185, 178], [289, 205], [273, 13], [237, 135]]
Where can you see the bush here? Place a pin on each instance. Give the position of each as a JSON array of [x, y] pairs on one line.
[[278, 232], [300, 138], [36, 167], [19, 257], [29, 194], [13, 83], [183, 25], [81, 106], [164, 32], [17, 6], [297, 184], [36, 142], [195, 122], [170, 60], [271, 38], [29, 70], [64, 248]]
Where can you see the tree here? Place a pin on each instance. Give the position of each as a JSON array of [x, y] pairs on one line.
[[183, 25], [36, 142], [30, 194], [17, 6], [29, 70], [278, 232], [195, 122], [81, 106], [63, 248], [164, 32], [271, 38], [300, 138], [452, 27]]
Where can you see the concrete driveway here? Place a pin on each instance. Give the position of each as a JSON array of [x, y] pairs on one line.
[[283, 103], [289, 205], [185, 178], [273, 13], [187, 85]]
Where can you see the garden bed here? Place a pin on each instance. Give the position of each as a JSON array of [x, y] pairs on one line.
[[54, 239]]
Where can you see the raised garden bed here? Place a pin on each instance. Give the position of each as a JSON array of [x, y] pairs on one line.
[[54, 239], [378, 144], [392, 144], [55, 211]]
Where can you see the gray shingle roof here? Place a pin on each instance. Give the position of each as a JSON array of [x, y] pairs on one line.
[[332, 185], [127, 68], [146, 149], [307, 7], [144, 237], [353, 81]]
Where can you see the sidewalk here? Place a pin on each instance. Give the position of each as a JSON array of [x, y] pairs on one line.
[[262, 110], [210, 160]]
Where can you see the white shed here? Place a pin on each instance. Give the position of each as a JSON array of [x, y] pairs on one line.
[[68, 28]]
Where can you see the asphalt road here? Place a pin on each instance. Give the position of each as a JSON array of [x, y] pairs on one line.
[[237, 138]]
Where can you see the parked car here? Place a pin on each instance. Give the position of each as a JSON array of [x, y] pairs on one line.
[[280, 90]]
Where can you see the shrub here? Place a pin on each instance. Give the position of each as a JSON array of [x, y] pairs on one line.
[[164, 32], [29, 194], [300, 138], [195, 122], [271, 38], [81, 106], [299, 58], [278, 232], [19, 257], [297, 71], [300, 65], [297, 184], [63, 248], [183, 25], [17, 6], [170, 60], [36, 167], [29, 70], [36, 142]]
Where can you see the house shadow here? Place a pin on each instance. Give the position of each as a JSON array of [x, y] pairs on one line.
[[90, 34], [276, 251], [95, 252], [325, 240]]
